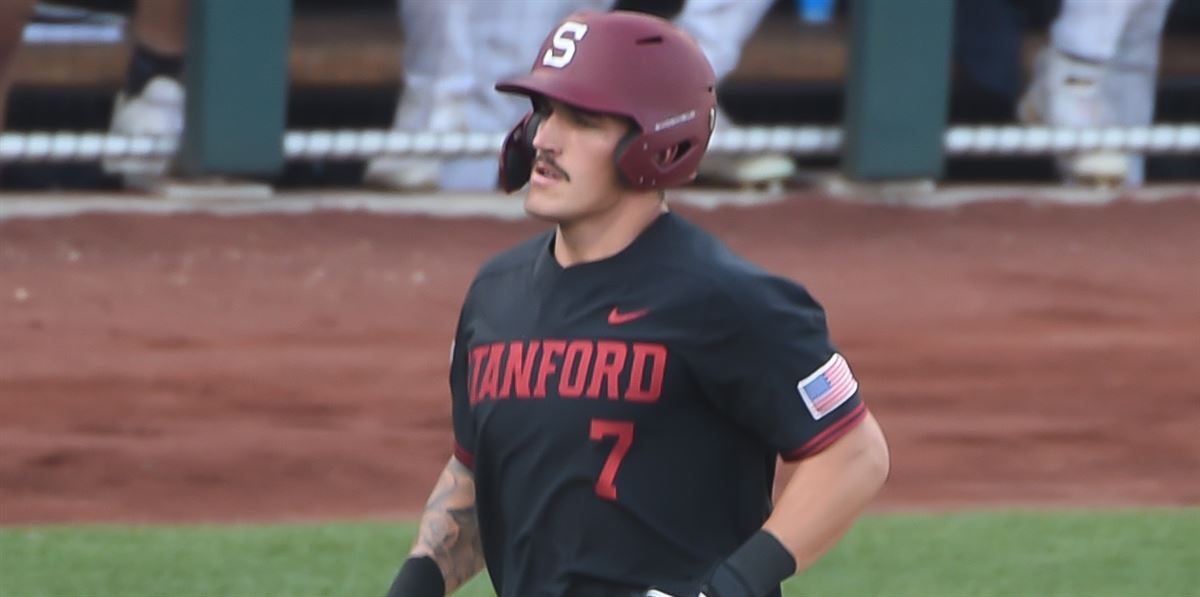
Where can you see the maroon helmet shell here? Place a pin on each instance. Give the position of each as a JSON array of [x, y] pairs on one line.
[[633, 65]]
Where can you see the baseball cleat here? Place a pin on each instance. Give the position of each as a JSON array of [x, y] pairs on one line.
[[1096, 168], [157, 110], [1066, 92], [747, 170]]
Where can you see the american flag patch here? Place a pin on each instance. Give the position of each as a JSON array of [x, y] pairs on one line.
[[828, 387]]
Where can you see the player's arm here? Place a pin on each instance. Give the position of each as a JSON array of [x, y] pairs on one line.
[[820, 503], [828, 491], [448, 551], [800, 396]]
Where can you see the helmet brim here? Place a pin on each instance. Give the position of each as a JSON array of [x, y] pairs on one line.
[[542, 83]]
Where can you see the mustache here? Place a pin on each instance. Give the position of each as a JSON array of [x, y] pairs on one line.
[[547, 161]]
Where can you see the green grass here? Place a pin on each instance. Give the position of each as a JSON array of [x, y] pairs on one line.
[[1119, 553]]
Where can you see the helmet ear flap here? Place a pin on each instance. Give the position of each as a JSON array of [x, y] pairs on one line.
[[623, 146], [516, 156]]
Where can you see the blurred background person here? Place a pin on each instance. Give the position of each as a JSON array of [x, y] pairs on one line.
[[1099, 69], [151, 100], [454, 49]]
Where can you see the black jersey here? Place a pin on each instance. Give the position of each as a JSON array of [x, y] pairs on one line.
[[622, 417]]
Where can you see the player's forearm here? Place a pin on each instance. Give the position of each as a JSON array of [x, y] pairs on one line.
[[828, 492], [449, 532]]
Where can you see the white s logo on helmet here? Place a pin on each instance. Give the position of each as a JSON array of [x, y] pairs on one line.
[[564, 44]]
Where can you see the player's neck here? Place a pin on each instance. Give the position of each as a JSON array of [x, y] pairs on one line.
[[600, 236]]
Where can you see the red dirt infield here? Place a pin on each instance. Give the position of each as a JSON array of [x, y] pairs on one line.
[[293, 367]]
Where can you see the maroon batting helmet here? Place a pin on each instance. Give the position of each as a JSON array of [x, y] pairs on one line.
[[626, 64]]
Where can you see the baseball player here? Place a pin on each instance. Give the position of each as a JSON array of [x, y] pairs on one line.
[[623, 385]]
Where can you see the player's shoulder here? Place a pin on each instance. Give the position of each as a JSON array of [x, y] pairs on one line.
[[736, 283]]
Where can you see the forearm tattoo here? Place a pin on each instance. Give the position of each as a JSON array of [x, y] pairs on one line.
[[449, 528]]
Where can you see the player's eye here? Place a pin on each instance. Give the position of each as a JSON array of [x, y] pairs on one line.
[[585, 119]]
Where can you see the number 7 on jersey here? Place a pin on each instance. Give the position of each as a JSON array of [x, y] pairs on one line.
[[623, 431]]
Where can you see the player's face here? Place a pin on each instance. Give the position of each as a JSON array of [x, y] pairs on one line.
[[574, 175]]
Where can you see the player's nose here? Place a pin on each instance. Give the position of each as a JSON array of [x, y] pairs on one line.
[[547, 137]]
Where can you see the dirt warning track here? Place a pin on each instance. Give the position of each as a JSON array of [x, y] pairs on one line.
[[280, 367]]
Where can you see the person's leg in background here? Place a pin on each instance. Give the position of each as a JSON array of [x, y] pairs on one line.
[[1132, 80], [722, 27], [13, 16], [438, 80], [151, 101], [1076, 80]]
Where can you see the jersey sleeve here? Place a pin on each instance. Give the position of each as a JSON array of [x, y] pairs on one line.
[[769, 364], [464, 431]]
